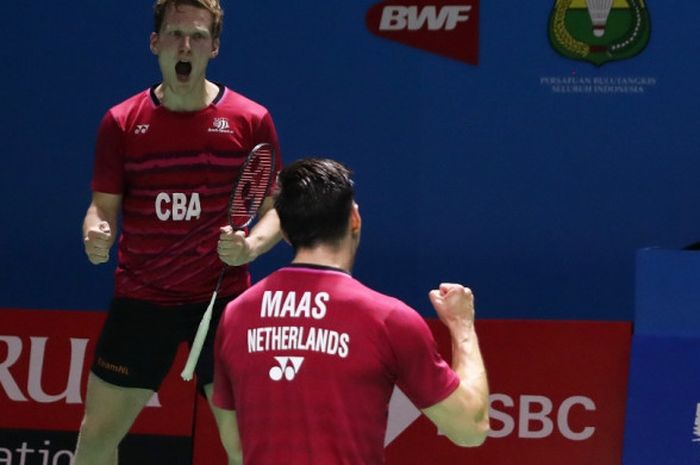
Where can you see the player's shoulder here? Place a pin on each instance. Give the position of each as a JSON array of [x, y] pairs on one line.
[[135, 104], [240, 104], [383, 305]]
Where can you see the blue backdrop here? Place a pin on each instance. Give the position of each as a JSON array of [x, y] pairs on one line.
[[489, 175]]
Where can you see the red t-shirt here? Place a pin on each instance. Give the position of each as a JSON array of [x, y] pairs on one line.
[[308, 358], [175, 172]]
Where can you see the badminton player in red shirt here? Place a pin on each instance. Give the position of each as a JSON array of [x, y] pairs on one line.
[[165, 161], [306, 359]]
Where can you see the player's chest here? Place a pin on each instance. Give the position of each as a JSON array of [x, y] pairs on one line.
[[154, 133], [206, 150]]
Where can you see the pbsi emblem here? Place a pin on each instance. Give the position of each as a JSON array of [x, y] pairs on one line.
[[599, 31]]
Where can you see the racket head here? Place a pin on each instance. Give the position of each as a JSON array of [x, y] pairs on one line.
[[252, 186]]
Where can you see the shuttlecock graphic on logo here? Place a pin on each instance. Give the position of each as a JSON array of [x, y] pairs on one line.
[[599, 10]]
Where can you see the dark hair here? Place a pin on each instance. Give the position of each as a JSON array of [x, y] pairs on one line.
[[313, 202], [212, 6]]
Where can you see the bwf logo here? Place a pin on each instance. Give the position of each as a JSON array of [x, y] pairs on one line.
[[432, 18], [287, 368], [448, 29]]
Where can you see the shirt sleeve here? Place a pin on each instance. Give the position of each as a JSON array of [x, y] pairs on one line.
[[108, 171], [223, 387], [421, 372]]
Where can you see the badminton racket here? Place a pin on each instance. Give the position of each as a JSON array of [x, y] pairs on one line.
[[250, 189]]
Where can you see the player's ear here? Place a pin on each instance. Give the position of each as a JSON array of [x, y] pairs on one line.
[[216, 43], [355, 219], [153, 43]]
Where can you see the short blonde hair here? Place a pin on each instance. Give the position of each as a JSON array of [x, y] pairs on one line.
[[213, 6]]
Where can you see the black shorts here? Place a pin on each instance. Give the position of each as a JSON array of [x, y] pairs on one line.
[[139, 341]]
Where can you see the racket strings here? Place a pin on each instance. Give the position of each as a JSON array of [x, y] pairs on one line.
[[252, 187]]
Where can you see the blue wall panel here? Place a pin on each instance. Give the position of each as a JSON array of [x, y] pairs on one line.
[[480, 174]]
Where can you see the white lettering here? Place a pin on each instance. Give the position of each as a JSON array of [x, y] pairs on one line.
[[194, 209], [14, 349], [344, 345], [304, 308], [36, 365], [507, 420], [319, 311], [276, 304], [397, 18], [289, 305], [182, 208], [563, 418], [271, 304], [392, 20], [23, 452], [298, 338], [26, 455], [541, 416], [179, 206], [160, 213], [528, 414]]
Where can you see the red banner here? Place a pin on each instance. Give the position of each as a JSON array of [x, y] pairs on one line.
[[45, 358], [558, 391]]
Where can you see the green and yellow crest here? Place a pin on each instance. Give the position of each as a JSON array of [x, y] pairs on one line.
[[599, 31]]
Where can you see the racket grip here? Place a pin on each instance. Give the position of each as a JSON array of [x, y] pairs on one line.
[[196, 349]]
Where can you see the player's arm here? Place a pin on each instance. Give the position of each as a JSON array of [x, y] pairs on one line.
[[227, 424], [463, 415], [221, 399], [228, 432], [100, 226], [235, 248]]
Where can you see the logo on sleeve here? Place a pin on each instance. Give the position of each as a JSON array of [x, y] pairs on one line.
[[449, 29]]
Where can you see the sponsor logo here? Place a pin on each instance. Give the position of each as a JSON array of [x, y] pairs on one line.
[[34, 385], [536, 417], [599, 31], [524, 416], [178, 207], [221, 125], [287, 368], [141, 129], [449, 29], [29, 452], [119, 369]]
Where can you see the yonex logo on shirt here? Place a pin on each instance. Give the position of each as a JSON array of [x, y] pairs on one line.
[[288, 367], [141, 129]]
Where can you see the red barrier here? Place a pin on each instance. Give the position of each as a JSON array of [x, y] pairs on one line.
[[558, 394]]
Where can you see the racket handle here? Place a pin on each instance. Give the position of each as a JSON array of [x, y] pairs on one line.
[[196, 349]]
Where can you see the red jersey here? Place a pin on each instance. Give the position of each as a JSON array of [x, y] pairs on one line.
[[308, 358], [175, 171]]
